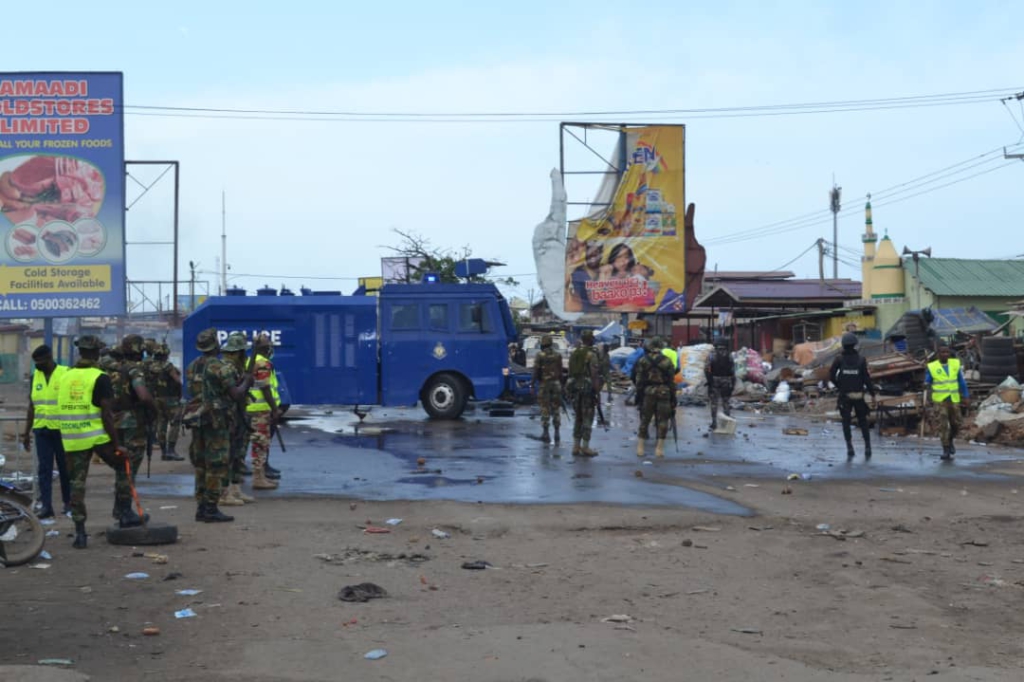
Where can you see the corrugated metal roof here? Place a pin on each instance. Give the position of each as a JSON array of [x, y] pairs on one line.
[[789, 289], [961, 277]]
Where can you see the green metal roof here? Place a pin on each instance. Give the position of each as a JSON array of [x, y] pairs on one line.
[[961, 277]]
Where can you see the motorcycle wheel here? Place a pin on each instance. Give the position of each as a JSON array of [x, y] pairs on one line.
[[25, 532]]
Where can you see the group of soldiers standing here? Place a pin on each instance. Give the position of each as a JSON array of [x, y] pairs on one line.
[[116, 403]]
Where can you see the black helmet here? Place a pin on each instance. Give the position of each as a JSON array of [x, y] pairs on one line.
[[849, 340]]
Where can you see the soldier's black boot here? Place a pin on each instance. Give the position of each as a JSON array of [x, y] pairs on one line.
[[81, 539], [167, 454], [545, 436], [215, 515], [946, 454], [850, 454], [201, 511], [867, 444], [129, 518], [270, 472], [558, 438]]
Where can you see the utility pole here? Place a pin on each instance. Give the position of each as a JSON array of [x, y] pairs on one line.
[[192, 288], [821, 258], [223, 244], [834, 206]]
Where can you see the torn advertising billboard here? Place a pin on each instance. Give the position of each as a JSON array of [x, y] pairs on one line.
[[629, 256], [62, 189]]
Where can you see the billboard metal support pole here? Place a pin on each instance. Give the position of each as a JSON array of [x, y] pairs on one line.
[[174, 294]]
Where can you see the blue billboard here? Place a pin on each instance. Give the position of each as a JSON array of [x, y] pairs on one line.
[[62, 194]]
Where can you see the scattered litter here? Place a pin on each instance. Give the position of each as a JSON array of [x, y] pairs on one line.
[[137, 576], [393, 522], [55, 661], [85, 590], [975, 543], [168, 506], [363, 592], [376, 530], [46, 555], [440, 534], [897, 626], [52, 533], [707, 529], [894, 560], [638, 473], [993, 581], [542, 565], [751, 485], [50, 522], [114, 630], [618, 618], [352, 506], [891, 490], [476, 565], [173, 575], [747, 631], [794, 432], [729, 487], [805, 477], [687, 543], [185, 613], [157, 558], [705, 591], [826, 432], [188, 593], [900, 528], [376, 654], [823, 526], [40, 566], [793, 477], [648, 463], [151, 631]]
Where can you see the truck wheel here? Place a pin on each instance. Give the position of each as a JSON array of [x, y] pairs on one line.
[[445, 397]]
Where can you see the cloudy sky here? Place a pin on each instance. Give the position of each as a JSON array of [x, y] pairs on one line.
[[316, 196]]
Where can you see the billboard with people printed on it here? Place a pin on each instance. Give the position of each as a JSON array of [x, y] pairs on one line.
[[629, 256]]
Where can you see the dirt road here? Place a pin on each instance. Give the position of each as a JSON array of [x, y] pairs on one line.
[[918, 580]]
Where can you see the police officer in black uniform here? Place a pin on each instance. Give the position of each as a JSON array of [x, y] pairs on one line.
[[849, 373], [720, 372]]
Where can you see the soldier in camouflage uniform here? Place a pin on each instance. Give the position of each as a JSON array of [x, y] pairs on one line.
[[82, 440], [547, 385], [585, 391], [655, 376], [136, 419], [221, 392], [233, 352], [166, 383], [206, 343]]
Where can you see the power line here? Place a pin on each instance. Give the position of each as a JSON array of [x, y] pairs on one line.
[[914, 101]]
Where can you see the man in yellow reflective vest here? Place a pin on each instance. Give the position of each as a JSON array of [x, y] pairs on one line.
[[263, 411], [42, 420], [945, 382], [84, 411]]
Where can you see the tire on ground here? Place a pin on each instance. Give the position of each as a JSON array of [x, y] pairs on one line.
[[153, 533]]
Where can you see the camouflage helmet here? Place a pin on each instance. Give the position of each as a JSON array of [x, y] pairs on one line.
[[236, 343], [546, 341], [654, 344], [132, 344], [115, 353], [151, 346], [162, 351], [206, 340], [89, 342], [587, 335]]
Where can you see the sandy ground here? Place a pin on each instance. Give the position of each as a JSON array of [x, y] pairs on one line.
[[926, 583]]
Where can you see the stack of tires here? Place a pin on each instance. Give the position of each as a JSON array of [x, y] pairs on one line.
[[998, 359]]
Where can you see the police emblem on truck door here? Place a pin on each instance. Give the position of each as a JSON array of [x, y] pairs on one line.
[[439, 352]]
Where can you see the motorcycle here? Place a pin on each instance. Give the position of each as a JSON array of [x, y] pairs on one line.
[[21, 534]]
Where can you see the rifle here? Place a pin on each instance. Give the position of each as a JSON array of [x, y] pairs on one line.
[[600, 413], [150, 438], [277, 432]]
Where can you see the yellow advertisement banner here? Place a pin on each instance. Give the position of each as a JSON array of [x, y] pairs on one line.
[[630, 256]]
